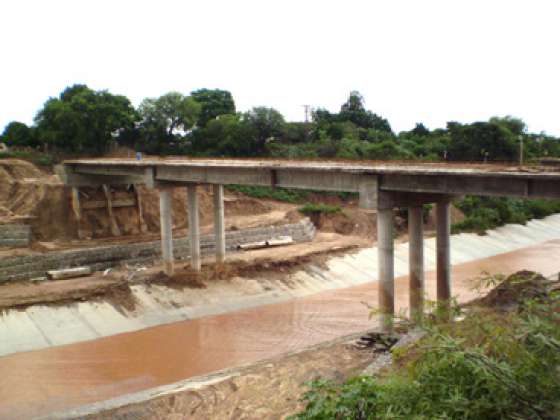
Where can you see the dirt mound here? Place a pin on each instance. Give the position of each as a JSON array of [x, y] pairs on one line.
[[349, 221], [30, 196], [514, 290]]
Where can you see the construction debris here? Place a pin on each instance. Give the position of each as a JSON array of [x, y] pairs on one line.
[[68, 273], [279, 241]]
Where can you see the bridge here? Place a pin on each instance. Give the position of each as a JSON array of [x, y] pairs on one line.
[[381, 186]]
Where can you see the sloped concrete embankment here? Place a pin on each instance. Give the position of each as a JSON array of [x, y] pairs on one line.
[[100, 258]]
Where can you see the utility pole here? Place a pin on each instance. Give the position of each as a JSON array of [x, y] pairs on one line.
[[520, 150], [307, 109]]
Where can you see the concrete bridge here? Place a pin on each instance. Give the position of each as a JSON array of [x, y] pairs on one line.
[[382, 186]]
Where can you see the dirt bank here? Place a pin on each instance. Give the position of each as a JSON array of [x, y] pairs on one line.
[[115, 287]]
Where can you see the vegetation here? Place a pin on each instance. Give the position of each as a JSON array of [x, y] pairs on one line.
[[483, 213], [37, 157], [494, 364], [82, 120], [318, 208], [205, 123], [279, 194]]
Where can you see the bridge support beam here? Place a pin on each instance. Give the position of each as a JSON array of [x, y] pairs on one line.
[[194, 229], [416, 262], [443, 263], [219, 225], [165, 217], [386, 274]]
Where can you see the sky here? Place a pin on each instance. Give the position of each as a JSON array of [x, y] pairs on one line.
[[429, 61]]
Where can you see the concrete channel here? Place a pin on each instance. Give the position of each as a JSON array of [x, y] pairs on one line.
[[57, 359]]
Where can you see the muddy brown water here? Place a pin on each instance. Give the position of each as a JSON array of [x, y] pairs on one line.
[[40, 382]]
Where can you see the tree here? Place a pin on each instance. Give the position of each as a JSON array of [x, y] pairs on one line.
[[353, 110], [84, 120], [213, 103], [266, 124], [480, 139], [420, 130], [166, 120], [19, 134]]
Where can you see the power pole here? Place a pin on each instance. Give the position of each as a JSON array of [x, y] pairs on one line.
[[307, 109], [520, 150]]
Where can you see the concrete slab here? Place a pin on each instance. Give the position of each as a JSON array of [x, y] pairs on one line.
[[106, 320], [19, 333], [61, 326]]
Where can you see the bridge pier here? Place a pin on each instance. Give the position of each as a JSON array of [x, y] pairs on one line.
[[194, 228], [219, 225], [416, 261], [443, 261], [386, 267], [166, 230]]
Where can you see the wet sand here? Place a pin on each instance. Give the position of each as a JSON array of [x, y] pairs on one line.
[[40, 382]]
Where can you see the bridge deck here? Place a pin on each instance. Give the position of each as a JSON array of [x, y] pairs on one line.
[[333, 175]]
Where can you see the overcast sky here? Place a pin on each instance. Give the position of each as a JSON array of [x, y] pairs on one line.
[[428, 61]]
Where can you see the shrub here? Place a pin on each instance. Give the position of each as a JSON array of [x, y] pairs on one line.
[[280, 194], [320, 208], [483, 213]]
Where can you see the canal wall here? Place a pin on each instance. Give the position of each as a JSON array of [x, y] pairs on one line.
[[145, 253]]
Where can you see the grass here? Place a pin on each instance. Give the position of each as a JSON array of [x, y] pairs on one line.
[[38, 158], [287, 195], [495, 364], [319, 208], [279, 194]]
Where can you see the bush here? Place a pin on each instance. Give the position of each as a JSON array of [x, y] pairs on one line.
[[320, 208], [280, 194], [484, 213]]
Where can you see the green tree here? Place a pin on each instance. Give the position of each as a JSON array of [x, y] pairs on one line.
[[84, 120], [166, 120], [266, 123], [228, 135], [353, 110], [480, 139], [213, 102], [19, 134]]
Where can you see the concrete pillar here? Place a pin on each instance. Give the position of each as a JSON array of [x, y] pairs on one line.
[[166, 230], [194, 230], [416, 261], [219, 225], [386, 277], [443, 265]]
